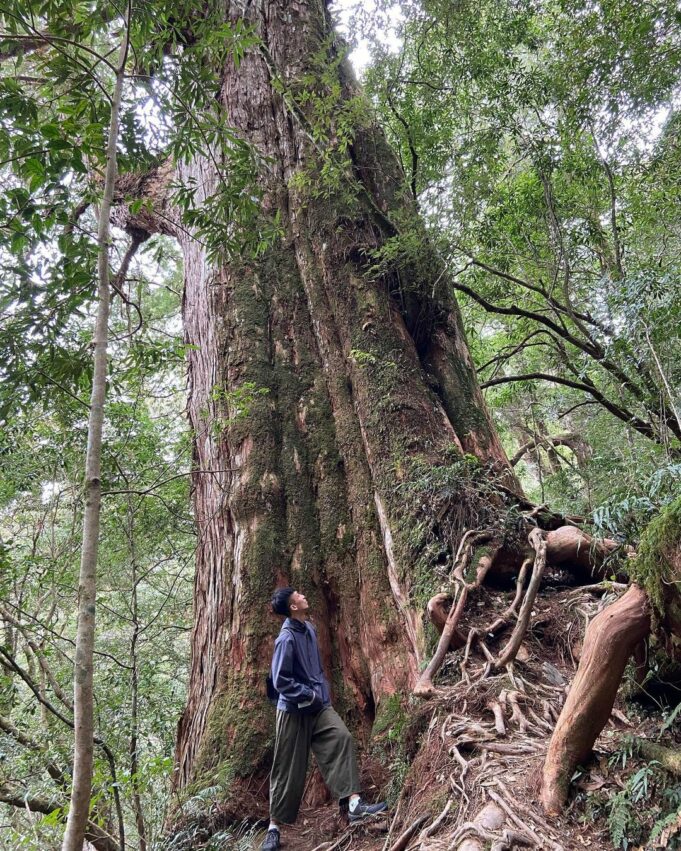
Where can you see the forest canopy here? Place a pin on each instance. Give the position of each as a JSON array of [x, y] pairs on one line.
[[267, 318]]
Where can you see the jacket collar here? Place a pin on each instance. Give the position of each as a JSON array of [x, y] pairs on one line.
[[295, 625]]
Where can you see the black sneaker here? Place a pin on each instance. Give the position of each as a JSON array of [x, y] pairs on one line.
[[271, 842], [363, 811]]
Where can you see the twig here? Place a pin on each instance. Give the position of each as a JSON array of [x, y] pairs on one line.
[[392, 824]]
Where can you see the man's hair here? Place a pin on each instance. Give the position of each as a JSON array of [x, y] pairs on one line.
[[280, 600]]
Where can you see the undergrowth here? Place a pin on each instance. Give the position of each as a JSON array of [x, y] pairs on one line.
[[647, 809]]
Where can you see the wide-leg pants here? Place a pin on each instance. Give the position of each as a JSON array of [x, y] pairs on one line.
[[334, 750]]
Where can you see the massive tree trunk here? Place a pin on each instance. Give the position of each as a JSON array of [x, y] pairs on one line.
[[365, 375]]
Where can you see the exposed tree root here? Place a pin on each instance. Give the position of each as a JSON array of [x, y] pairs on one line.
[[509, 652], [668, 758], [490, 818], [403, 840], [424, 687], [609, 642], [438, 610], [566, 545], [511, 612]]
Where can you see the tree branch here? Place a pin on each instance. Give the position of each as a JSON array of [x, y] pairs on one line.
[[94, 834], [52, 769], [566, 439], [591, 348], [623, 414]]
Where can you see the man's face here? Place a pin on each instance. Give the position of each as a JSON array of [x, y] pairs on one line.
[[297, 603]]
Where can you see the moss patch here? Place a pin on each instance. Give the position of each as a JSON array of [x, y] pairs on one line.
[[654, 568]]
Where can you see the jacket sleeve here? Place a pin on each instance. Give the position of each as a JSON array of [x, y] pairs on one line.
[[282, 674]]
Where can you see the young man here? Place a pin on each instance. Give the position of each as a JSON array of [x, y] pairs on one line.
[[306, 719]]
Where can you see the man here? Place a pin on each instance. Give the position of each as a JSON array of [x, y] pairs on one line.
[[306, 719]]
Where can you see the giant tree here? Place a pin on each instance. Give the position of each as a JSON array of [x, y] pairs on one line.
[[341, 442], [327, 371], [331, 393]]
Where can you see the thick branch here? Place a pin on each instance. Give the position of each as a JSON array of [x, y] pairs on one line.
[[555, 305], [623, 414]]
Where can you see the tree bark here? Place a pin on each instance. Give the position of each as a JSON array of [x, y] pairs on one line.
[[83, 699], [610, 640], [367, 373]]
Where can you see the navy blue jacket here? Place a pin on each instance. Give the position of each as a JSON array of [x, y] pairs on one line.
[[297, 672]]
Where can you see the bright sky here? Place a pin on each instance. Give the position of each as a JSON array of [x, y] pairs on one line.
[[353, 14]]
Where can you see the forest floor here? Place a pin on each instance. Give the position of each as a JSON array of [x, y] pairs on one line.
[[483, 740]]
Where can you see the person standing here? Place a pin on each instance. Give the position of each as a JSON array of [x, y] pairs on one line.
[[307, 721]]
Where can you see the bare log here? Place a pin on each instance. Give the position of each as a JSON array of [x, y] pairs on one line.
[[610, 640], [669, 758]]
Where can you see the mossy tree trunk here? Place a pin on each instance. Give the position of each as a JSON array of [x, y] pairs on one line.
[[364, 372]]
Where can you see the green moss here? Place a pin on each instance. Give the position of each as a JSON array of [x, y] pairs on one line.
[[435, 505], [652, 567], [390, 718], [236, 742], [389, 741]]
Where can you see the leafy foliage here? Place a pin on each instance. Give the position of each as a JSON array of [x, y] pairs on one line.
[[146, 561], [541, 142]]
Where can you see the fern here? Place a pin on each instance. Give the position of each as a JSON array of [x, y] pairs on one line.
[[620, 819], [665, 829], [671, 718]]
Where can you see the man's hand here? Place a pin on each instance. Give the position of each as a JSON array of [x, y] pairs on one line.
[[311, 706]]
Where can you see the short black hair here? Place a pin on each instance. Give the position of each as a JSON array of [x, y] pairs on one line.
[[280, 600]]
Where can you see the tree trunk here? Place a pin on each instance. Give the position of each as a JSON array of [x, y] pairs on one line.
[[610, 640], [366, 374], [83, 696]]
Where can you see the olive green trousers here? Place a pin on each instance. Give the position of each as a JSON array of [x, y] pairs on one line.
[[334, 750]]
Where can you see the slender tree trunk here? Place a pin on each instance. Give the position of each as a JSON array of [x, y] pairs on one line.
[[134, 689], [87, 583]]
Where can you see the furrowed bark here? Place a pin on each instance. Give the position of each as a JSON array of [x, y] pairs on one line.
[[610, 640], [87, 584], [362, 373]]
